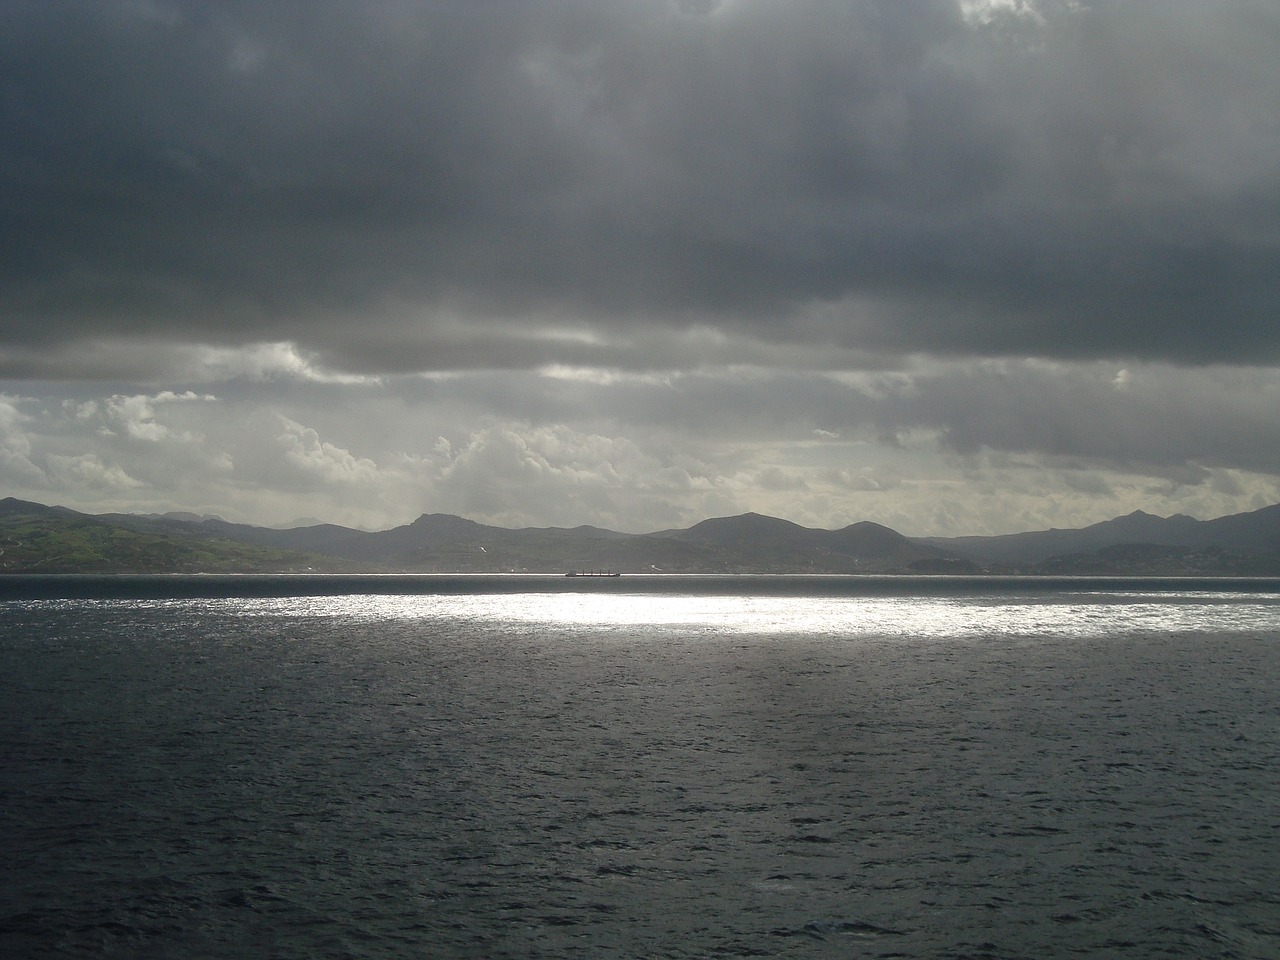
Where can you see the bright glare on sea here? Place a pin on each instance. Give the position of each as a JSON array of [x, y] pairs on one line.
[[609, 771]]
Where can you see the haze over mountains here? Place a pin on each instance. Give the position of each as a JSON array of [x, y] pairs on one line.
[[38, 538]]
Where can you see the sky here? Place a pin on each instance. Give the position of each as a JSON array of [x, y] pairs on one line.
[[954, 266]]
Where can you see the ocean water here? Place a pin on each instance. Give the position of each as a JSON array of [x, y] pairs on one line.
[[666, 767]]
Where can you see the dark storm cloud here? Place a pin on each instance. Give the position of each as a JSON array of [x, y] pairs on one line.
[[429, 186]]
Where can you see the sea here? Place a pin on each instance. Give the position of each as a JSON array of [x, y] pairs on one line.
[[639, 767]]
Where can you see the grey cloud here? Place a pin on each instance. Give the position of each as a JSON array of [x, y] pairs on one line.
[[1158, 421], [1155, 420], [396, 185], [991, 447]]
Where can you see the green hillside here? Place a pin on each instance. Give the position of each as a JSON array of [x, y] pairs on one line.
[[39, 539], [55, 542]]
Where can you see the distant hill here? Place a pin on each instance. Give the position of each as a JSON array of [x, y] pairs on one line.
[[1230, 544], [767, 543], [39, 538]]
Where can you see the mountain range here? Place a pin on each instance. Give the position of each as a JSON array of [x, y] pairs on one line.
[[35, 538]]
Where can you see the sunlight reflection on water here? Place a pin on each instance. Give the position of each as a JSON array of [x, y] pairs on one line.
[[617, 773], [1081, 615]]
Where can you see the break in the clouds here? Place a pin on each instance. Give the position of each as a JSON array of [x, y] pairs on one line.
[[637, 263], [942, 447]]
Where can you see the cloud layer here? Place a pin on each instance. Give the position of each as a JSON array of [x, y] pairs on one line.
[[942, 447], [403, 186], [959, 266]]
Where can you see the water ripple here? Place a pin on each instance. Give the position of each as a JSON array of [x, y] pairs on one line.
[[412, 776]]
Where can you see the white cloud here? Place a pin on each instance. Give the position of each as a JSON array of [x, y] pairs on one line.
[[321, 460], [989, 11], [934, 447], [16, 468], [280, 360], [88, 472], [134, 416], [517, 475]]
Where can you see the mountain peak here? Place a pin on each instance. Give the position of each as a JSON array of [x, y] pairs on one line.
[[1247, 543], [743, 525], [441, 520]]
